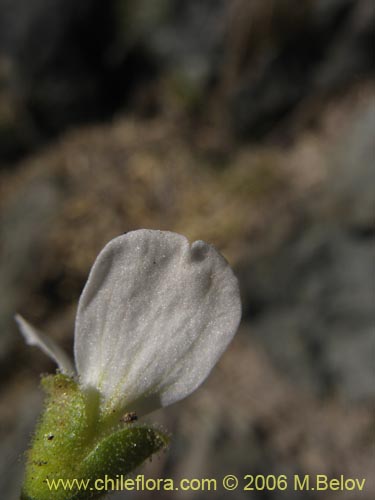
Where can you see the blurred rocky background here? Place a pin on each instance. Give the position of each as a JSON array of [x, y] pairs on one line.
[[248, 124]]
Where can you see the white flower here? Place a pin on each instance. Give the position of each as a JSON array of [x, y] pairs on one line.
[[153, 319]]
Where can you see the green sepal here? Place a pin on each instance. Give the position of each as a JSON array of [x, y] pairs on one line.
[[123, 451], [71, 441]]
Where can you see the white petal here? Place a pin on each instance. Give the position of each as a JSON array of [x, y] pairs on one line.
[[153, 319], [46, 344]]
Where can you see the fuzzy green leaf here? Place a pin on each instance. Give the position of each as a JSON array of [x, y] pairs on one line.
[[72, 442]]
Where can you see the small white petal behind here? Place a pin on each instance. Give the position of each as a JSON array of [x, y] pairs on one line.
[[153, 319], [46, 344]]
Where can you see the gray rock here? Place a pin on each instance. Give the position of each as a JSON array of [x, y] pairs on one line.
[[313, 295]]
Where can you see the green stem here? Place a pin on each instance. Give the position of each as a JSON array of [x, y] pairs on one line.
[[71, 444]]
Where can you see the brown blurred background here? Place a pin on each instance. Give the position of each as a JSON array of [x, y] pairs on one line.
[[248, 124]]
